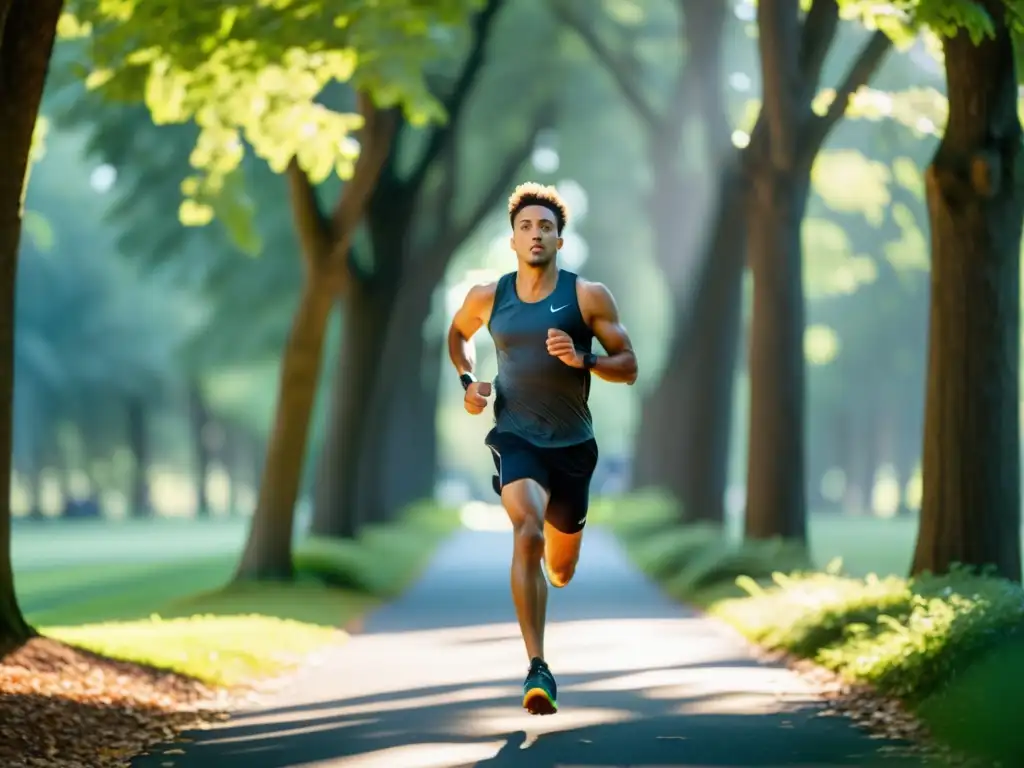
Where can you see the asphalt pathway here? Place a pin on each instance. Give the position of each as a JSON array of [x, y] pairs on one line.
[[433, 680]]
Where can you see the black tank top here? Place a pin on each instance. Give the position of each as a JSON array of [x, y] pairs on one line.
[[537, 396]]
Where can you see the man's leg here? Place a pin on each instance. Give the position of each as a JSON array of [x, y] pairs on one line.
[[566, 513], [561, 553], [525, 501], [522, 482]]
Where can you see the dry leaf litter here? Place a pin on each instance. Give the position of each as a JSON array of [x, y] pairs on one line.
[[61, 707]]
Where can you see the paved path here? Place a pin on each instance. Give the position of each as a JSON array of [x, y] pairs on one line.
[[433, 681]]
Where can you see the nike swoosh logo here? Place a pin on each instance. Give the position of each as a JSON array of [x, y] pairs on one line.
[[559, 309]]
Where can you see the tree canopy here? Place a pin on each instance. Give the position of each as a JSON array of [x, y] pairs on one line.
[[247, 74]]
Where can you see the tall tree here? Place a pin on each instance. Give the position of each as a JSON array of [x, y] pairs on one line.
[[470, 179], [971, 504], [776, 169], [682, 439], [258, 73], [377, 305], [27, 32], [405, 431], [326, 241]]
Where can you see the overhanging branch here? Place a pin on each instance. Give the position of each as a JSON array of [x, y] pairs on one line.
[[449, 183], [375, 140], [503, 176], [375, 143], [819, 30], [699, 89], [623, 68], [311, 225], [860, 73], [431, 265], [685, 83], [455, 104], [778, 25]]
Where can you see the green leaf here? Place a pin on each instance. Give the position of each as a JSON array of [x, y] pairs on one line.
[[193, 214], [831, 266], [821, 344], [910, 251], [906, 173], [849, 182], [253, 76]]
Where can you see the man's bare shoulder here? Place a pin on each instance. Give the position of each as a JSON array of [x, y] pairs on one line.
[[479, 301], [594, 295], [482, 292]]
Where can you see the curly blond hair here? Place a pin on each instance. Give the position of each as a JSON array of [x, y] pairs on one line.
[[532, 193]]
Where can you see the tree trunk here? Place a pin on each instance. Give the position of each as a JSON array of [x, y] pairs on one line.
[[395, 468], [863, 460], [654, 443], [405, 450], [28, 29], [905, 457], [832, 451], [685, 425], [138, 441], [199, 421], [776, 486], [230, 453], [667, 426], [424, 459], [268, 551], [672, 219], [35, 475], [704, 369], [364, 323], [256, 455], [971, 505]]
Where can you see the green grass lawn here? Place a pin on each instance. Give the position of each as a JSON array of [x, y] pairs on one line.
[[181, 612], [49, 544], [951, 647]]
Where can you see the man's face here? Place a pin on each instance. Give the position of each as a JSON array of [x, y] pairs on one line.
[[535, 236]]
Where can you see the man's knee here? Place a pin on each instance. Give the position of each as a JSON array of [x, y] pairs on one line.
[[524, 500], [560, 574], [561, 553]]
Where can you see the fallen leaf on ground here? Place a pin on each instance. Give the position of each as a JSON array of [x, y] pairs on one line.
[[881, 717], [63, 707]]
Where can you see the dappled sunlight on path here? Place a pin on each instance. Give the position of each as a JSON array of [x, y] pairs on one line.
[[642, 682]]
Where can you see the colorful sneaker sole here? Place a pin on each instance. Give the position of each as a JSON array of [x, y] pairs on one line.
[[536, 701]]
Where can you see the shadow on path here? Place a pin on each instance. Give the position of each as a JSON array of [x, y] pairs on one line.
[[435, 678], [605, 726]]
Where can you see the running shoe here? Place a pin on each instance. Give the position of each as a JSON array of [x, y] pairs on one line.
[[539, 690]]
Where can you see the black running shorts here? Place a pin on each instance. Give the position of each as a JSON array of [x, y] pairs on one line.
[[564, 472]]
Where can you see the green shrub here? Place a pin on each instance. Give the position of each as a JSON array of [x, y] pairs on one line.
[[905, 637], [383, 559], [978, 711], [950, 646], [336, 562], [722, 562], [664, 555], [803, 613], [636, 516], [951, 621]]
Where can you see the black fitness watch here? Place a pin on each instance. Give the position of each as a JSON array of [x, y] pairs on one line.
[[466, 379], [589, 361]]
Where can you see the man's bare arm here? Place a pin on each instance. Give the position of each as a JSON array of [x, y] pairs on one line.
[[602, 314], [471, 316]]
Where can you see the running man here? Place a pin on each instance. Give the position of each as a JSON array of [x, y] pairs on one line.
[[543, 320]]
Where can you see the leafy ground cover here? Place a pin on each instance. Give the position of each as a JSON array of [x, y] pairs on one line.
[[946, 649], [138, 652]]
